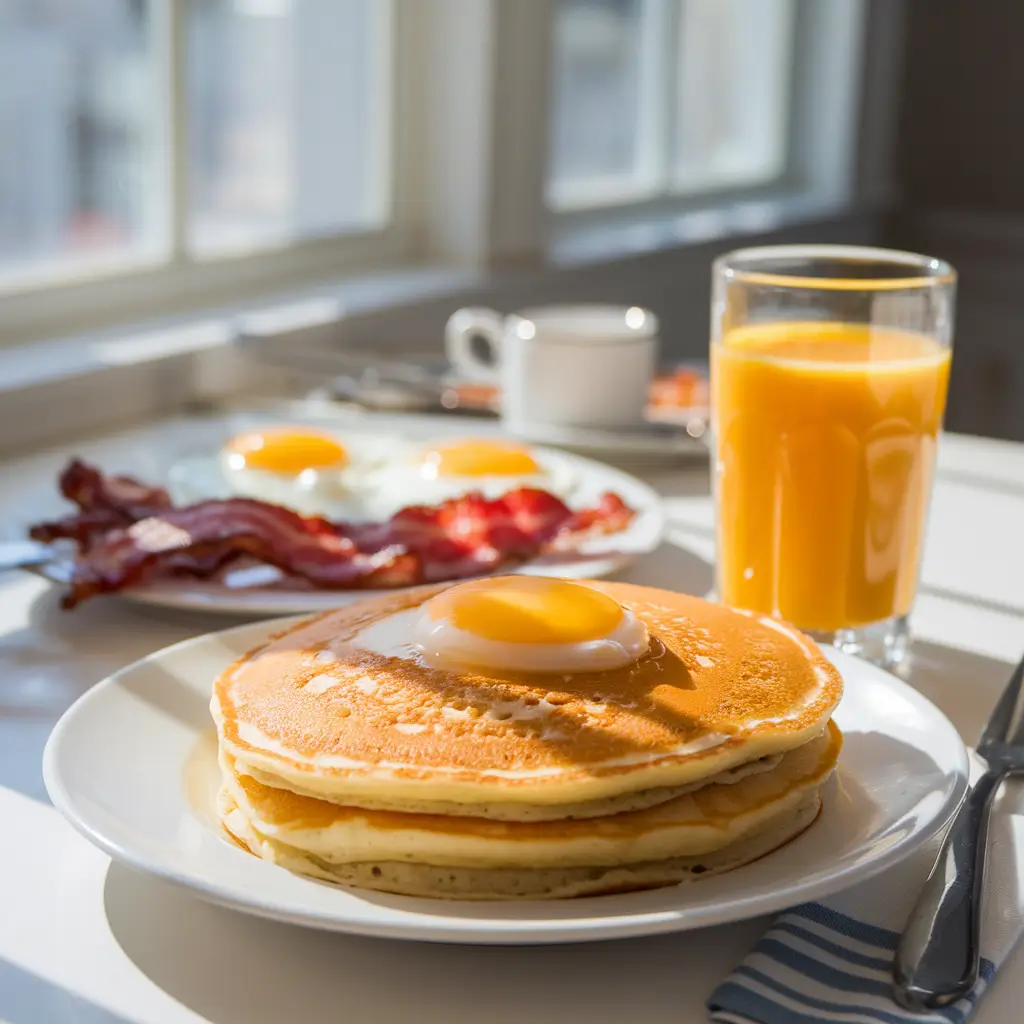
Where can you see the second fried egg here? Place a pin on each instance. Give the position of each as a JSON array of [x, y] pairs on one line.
[[451, 468]]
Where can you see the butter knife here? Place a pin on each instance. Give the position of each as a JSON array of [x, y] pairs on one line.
[[938, 957]]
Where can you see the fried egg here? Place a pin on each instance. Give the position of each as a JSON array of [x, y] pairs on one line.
[[451, 468], [370, 478], [308, 470], [527, 624]]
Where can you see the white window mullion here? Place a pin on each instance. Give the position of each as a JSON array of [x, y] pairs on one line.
[[520, 130], [448, 125], [169, 22], [386, 167], [480, 124], [659, 34]]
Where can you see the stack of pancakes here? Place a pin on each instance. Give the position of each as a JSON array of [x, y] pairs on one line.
[[377, 770]]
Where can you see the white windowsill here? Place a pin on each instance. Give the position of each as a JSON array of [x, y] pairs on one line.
[[619, 237]]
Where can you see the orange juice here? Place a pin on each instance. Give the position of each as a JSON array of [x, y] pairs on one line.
[[826, 436]]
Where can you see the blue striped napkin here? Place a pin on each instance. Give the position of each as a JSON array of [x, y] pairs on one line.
[[832, 961]]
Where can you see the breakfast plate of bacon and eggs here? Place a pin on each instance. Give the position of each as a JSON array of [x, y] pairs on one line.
[[289, 518]]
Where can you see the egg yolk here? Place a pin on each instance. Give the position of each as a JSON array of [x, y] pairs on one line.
[[285, 450], [478, 458], [527, 610]]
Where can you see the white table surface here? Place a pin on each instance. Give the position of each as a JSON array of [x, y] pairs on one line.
[[89, 942]]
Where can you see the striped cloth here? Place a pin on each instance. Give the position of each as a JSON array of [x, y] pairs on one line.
[[832, 961]]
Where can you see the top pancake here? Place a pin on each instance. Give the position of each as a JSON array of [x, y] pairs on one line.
[[314, 712]]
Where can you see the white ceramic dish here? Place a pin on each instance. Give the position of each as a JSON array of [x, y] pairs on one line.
[[132, 766], [260, 592]]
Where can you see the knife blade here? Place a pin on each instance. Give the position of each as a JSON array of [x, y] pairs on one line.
[[938, 957], [1003, 735]]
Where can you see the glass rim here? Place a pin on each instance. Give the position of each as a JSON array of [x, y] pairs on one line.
[[922, 271]]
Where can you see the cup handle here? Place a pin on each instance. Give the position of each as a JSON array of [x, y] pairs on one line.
[[466, 327]]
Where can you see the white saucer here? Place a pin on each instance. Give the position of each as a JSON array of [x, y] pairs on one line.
[[261, 592], [648, 443], [132, 766]]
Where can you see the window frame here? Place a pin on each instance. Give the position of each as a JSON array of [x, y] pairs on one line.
[[71, 297], [822, 127], [469, 140]]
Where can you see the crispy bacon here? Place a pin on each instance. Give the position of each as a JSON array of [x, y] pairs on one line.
[[208, 533], [462, 537], [610, 515], [81, 528], [515, 523], [105, 503], [91, 491]]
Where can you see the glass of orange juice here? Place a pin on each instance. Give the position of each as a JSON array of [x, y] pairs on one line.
[[829, 371]]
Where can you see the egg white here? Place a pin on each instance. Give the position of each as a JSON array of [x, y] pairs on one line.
[[334, 492], [443, 645], [382, 475], [407, 482]]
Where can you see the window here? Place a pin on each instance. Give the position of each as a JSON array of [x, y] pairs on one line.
[[287, 126], [140, 132], [80, 134], [657, 98], [162, 156]]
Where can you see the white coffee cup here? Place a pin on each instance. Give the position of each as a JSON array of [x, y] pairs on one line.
[[584, 366]]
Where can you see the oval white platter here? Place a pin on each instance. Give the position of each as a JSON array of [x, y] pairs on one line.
[[260, 592], [132, 765]]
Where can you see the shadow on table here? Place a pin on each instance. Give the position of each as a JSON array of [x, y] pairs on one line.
[[672, 567], [112, 615], [233, 969], [56, 656], [27, 997], [943, 674], [981, 481], [986, 604]]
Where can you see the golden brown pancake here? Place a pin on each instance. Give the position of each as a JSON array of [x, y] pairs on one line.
[[713, 829], [548, 812], [316, 713], [435, 882]]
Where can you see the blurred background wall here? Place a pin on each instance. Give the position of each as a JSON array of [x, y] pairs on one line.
[[959, 170]]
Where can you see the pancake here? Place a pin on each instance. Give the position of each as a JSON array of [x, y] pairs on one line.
[[711, 830], [530, 883], [551, 812], [330, 711]]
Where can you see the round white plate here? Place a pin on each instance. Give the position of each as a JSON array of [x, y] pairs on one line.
[[259, 592], [132, 765]]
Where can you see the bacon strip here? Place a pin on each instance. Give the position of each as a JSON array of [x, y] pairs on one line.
[[105, 503], [91, 491], [467, 536], [206, 534], [81, 528], [610, 515]]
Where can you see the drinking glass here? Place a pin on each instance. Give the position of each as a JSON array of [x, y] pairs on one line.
[[829, 372]]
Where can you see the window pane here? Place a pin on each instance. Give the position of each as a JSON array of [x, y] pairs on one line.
[[79, 175], [289, 119], [733, 92], [603, 132]]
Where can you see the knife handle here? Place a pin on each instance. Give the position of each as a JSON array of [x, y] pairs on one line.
[[938, 957]]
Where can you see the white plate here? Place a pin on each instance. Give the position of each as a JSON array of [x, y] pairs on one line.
[[132, 767], [241, 594]]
